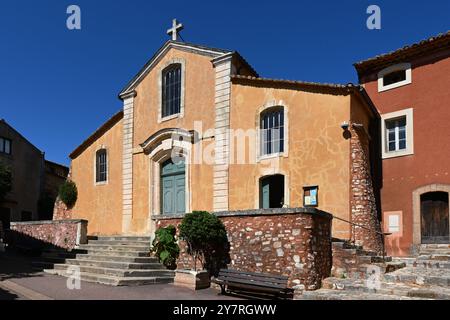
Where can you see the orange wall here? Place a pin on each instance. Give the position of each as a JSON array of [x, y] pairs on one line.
[[318, 154], [429, 97], [198, 106], [101, 205]]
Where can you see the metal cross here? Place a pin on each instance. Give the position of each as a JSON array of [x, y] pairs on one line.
[[176, 27]]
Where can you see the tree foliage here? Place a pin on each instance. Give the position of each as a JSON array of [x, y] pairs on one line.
[[68, 193], [165, 246], [206, 239]]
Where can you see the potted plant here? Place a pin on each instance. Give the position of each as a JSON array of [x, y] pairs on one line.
[[205, 237]]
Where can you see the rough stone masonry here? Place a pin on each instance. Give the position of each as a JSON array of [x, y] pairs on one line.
[[295, 242], [363, 203]]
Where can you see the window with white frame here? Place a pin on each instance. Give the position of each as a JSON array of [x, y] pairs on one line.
[[101, 166], [394, 76], [272, 131], [171, 90], [397, 133], [5, 145]]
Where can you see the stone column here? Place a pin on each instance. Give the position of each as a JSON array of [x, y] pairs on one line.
[[363, 203]]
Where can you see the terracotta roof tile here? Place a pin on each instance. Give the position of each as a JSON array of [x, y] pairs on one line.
[[435, 43]]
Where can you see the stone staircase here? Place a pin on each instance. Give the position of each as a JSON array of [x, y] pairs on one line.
[[116, 261], [424, 277]]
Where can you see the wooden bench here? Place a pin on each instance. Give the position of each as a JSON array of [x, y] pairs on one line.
[[252, 282]]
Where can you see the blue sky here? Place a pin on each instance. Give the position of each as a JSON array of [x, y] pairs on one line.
[[58, 86]]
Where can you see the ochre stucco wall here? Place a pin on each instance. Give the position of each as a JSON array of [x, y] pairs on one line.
[[429, 97], [318, 153], [198, 106], [101, 205]]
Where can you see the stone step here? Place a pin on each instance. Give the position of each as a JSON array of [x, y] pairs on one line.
[[115, 265], [435, 246], [123, 238], [114, 281], [51, 255], [360, 271], [439, 257], [52, 259], [117, 272], [118, 253], [411, 275], [120, 243], [330, 294], [425, 263], [373, 259], [435, 251], [385, 288], [114, 247], [117, 258]]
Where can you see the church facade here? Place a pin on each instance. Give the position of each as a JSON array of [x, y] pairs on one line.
[[201, 130]]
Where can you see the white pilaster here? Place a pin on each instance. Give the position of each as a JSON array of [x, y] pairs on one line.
[[223, 66], [127, 162]]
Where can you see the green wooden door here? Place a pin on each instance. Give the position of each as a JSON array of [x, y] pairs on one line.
[[173, 188], [265, 194]]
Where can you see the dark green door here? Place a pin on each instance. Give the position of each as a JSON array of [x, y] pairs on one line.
[[173, 187]]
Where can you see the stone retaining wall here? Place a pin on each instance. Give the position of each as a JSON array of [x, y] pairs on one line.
[[64, 234], [295, 242]]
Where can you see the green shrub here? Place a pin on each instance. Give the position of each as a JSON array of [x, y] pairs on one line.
[[206, 240], [5, 180], [68, 193], [165, 246]]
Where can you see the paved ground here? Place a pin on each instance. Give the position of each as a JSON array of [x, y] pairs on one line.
[[19, 282]]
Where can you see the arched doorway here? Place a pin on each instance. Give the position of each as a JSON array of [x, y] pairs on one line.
[[434, 213], [173, 187]]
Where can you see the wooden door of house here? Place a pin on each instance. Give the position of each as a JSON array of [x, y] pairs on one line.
[[173, 188], [435, 217]]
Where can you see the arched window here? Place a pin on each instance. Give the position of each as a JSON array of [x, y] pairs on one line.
[[171, 90], [272, 131], [101, 166]]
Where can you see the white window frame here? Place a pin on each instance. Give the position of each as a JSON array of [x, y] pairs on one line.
[[161, 72], [101, 183], [408, 113], [388, 70], [271, 104]]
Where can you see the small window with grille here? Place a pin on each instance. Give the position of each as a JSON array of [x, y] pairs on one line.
[[101, 166], [272, 131]]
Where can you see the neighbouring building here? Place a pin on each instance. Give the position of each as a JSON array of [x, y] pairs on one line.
[[35, 181], [411, 89], [201, 130]]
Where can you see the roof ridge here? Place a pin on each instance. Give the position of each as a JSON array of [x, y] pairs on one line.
[[334, 85], [425, 42]]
